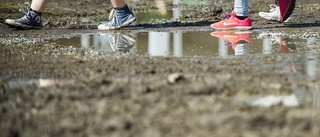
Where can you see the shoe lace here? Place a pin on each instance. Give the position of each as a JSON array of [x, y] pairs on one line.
[[114, 19], [226, 16], [274, 8], [112, 14], [22, 9]]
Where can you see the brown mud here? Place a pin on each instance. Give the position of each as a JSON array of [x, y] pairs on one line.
[[45, 92]]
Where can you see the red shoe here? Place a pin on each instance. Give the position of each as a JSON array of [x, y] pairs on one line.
[[233, 37], [286, 8], [233, 23]]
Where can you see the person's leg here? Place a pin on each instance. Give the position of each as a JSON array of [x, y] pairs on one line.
[[239, 18], [241, 9], [121, 16], [118, 3], [32, 19], [38, 5]]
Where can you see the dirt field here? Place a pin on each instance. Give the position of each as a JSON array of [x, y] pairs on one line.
[[45, 92]]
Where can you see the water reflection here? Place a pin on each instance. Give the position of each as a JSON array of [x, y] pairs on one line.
[[182, 43], [275, 42], [237, 40], [312, 72], [108, 42], [288, 65], [159, 42]]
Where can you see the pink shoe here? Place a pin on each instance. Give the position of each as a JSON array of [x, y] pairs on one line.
[[233, 23]]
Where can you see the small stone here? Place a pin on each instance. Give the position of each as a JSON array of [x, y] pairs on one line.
[[174, 77]]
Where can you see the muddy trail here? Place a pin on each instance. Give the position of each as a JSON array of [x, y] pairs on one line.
[[54, 83]]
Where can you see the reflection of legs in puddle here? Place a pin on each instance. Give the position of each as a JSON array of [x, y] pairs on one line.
[[85, 42], [159, 43], [121, 42], [313, 91], [241, 49], [284, 47], [311, 70], [101, 43], [121, 17], [109, 42], [237, 40]]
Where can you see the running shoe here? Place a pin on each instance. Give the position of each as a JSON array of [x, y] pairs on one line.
[[120, 18], [233, 23], [286, 9], [31, 20], [274, 14], [121, 42], [233, 38]]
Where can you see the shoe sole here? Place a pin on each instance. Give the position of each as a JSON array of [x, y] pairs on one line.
[[14, 24], [234, 28], [262, 15], [274, 19], [120, 26]]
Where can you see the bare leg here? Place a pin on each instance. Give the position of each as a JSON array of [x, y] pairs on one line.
[[117, 3], [38, 5]]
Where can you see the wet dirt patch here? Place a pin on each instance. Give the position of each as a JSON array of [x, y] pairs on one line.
[[133, 95]]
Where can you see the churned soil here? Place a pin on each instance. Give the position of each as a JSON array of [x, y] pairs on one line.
[[49, 92]]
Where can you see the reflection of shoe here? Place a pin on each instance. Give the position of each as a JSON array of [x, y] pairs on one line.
[[121, 17], [233, 23], [121, 42], [283, 46], [286, 8], [278, 40], [233, 38], [274, 14], [31, 20]]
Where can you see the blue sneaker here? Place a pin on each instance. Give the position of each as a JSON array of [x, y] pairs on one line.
[[31, 20], [121, 17]]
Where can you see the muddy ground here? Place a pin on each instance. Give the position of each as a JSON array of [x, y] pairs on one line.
[[49, 92]]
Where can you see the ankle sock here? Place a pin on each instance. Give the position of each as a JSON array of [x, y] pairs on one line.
[[242, 17], [124, 10], [38, 13]]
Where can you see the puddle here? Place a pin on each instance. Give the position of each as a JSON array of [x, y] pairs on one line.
[[186, 44]]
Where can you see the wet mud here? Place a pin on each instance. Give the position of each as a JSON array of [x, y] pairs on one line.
[[47, 89]]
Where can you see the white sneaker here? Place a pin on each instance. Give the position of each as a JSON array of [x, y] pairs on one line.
[[274, 14]]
